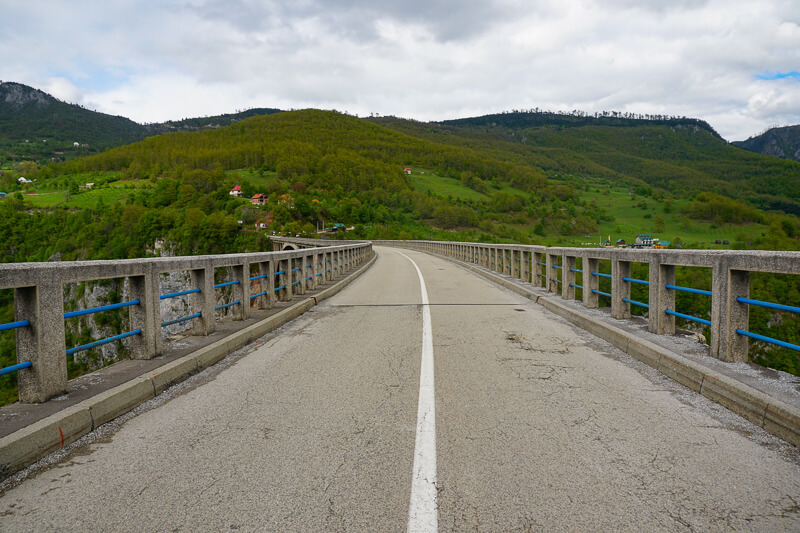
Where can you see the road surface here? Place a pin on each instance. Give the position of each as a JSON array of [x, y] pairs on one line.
[[538, 427]]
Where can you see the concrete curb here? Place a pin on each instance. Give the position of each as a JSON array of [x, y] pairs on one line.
[[775, 416], [29, 444]]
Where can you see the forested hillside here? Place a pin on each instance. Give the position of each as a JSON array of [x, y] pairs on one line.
[[680, 156], [36, 126]]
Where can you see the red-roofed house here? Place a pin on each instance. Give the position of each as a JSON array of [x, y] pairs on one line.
[[236, 191], [259, 199]]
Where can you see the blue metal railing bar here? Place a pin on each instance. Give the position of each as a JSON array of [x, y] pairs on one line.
[[556, 266], [295, 269], [14, 325], [226, 305], [279, 288], [259, 277], [176, 294], [540, 263], [93, 310], [575, 270], [634, 302], [688, 317], [769, 305], [297, 282], [688, 289], [769, 340], [258, 294], [639, 281], [14, 368], [556, 280], [576, 286], [181, 319], [280, 272], [101, 342], [600, 274], [226, 284], [601, 293]]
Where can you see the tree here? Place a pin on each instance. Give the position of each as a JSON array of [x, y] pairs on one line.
[[659, 224]]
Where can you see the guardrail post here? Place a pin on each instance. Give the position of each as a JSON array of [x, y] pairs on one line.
[[665, 300], [728, 315], [327, 266], [203, 302], [525, 266], [266, 284], [551, 273], [241, 291], [620, 289], [42, 343], [142, 317], [514, 253], [653, 273], [536, 278], [285, 280], [317, 270], [591, 300], [155, 305], [568, 277]]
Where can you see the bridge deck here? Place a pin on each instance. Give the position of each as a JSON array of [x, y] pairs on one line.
[[539, 426]]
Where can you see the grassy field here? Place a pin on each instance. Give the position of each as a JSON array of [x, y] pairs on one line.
[[637, 214], [442, 185], [89, 199]]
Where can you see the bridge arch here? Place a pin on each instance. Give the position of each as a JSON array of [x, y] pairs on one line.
[[289, 246]]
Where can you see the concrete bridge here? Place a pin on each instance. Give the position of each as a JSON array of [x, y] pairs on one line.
[[446, 387]]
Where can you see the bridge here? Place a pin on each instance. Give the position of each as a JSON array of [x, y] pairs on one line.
[[404, 385]]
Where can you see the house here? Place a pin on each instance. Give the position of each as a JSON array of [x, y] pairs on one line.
[[86, 186], [22, 179], [3, 195], [407, 170], [259, 199], [236, 191], [621, 243], [661, 245], [607, 243], [264, 222], [644, 239], [287, 200]]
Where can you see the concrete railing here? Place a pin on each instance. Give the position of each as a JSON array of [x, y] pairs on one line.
[[554, 269], [39, 299]]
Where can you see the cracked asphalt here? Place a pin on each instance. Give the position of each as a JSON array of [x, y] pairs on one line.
[[540, 427]]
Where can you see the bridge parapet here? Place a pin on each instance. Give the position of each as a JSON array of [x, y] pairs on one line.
[[256, 280], [555, 269]]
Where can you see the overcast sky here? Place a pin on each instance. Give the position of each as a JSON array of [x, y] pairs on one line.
[[734, 63]]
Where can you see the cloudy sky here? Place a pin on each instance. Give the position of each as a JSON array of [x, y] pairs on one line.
[[734, 63]]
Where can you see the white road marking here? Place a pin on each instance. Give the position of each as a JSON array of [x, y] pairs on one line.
[[423, 512]]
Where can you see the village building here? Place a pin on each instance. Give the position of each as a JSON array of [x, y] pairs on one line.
[[236, 191], [621, 243], [259, 199], [644, 239]]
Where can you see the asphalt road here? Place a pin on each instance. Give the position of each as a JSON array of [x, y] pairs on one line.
[[538, 427]]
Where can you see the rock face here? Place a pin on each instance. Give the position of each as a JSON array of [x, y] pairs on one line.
[[19, 95], [779, 142]]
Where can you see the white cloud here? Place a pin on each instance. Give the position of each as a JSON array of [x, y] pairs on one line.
[[423, 59]]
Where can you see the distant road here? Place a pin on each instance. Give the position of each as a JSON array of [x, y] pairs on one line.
[[538, 427]]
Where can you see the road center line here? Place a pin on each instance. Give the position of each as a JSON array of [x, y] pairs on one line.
[[423, 509]]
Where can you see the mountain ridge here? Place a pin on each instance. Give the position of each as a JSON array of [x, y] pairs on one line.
[[783, 142]]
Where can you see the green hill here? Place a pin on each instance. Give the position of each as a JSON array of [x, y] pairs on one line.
[[682, 157], [36, 126]]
